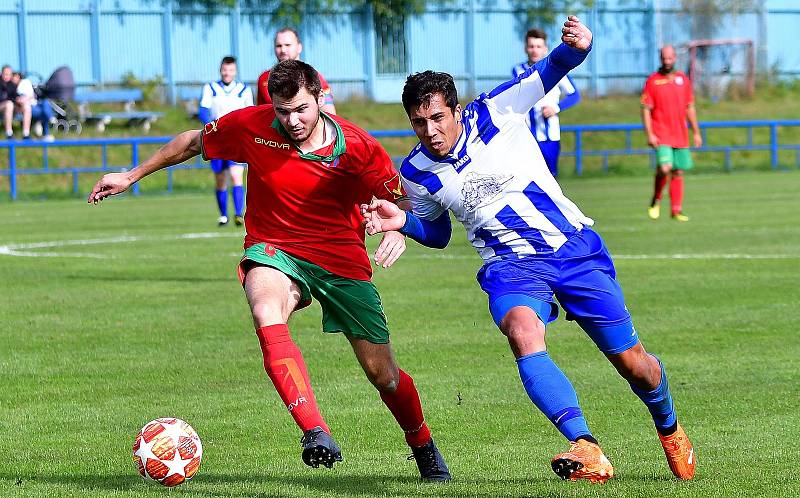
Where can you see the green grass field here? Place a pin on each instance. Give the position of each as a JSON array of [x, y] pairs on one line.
[[113, 315]]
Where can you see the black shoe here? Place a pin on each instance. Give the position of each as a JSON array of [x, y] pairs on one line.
[[430, 463], [319, 448]]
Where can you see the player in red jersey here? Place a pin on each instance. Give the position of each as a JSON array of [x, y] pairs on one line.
[[667, 103], [308, 173], [288, 47]]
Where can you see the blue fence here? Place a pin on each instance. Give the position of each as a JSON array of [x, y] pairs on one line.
[[579, 152], [476, 41]]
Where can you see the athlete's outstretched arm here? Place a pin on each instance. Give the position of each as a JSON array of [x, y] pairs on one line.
[[383, 216], [181, 148], [521, 94]]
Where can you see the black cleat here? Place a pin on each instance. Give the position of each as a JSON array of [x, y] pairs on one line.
[[430, 463], [319, 448], [238, 220]]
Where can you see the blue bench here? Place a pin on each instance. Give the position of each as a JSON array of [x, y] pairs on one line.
[[127, 96], [190, 98]]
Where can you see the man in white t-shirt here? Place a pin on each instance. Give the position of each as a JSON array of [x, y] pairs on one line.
[[31, 108], [218, 99]]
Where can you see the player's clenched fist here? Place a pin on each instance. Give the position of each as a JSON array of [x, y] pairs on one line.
[[110, 184], [575, 34]]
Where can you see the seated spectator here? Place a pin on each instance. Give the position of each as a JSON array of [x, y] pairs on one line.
[[8, 92], [32, 108]]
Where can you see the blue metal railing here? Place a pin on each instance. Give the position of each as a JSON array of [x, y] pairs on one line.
[[579, 153]]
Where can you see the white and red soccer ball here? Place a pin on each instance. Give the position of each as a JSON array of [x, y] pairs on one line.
[[168, 451]]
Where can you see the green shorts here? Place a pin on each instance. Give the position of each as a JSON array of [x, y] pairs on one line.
[[348, 305], [678, 158]]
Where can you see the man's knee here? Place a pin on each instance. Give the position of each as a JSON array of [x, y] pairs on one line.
[[383, 376], [524, 329]]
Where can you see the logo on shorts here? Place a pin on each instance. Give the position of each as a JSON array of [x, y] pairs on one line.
[[269, 250], [272, 143]]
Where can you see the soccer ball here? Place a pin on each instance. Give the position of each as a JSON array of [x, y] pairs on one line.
[[168, 451]]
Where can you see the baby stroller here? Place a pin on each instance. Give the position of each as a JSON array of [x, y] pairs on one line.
[[59, 89]]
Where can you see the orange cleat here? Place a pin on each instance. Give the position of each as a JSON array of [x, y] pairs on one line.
[[584, 460], [680, 453]]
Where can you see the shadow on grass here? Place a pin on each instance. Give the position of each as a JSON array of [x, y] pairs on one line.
[[255, 486], [150, 278]]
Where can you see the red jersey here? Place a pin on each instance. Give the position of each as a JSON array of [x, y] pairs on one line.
[[305, 204], [668, 96], [264, 98]]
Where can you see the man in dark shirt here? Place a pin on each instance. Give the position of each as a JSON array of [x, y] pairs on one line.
[[8, 92]]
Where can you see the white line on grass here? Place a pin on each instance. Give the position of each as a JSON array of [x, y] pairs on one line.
[[25, 249]]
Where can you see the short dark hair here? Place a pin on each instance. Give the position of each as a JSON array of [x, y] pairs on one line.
[[5, 66], [286, 78], [420, 87], [228, 59], [535, 33], [287, 29]]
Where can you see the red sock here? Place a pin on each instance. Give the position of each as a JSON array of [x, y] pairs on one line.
[[658, 187], [287, 370], [676, 193], [407, 410]]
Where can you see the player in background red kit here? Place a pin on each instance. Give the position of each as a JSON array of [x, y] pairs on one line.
[[289, 47], [667, 103], [308, 173]]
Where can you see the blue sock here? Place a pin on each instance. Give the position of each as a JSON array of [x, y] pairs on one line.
[[553, 394], [659, 401], [222, 202], [238, 199]]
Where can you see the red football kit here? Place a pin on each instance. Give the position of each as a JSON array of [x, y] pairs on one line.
[[306, 204], [668, 96], [263, 94]]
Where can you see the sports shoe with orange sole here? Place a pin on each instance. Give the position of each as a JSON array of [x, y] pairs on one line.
[[680, 453], [584, 460]]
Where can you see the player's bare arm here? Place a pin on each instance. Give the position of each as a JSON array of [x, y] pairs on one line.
[[691, 116], [393, 243], [382, 216], [181, 148], [647, 121], [576, 34]]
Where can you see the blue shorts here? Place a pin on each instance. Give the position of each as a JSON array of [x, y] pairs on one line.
[[580, 275], [220, 165], [550, 151]]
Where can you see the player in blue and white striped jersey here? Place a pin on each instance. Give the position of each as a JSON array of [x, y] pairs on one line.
[[218, 99], [543, 117], [483, 165]]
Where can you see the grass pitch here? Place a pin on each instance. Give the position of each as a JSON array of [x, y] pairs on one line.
[[114, 315]]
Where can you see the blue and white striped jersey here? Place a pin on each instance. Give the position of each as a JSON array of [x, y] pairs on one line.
[[220, 99], [495, 180], [561, 97]]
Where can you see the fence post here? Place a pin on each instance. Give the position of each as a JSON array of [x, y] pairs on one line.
[[773, 144], [235, 18], [469, 46], [94, 24], [134, 162], [369, 51], [22, 21], [578, 153], [12, 171], [166, 36]]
